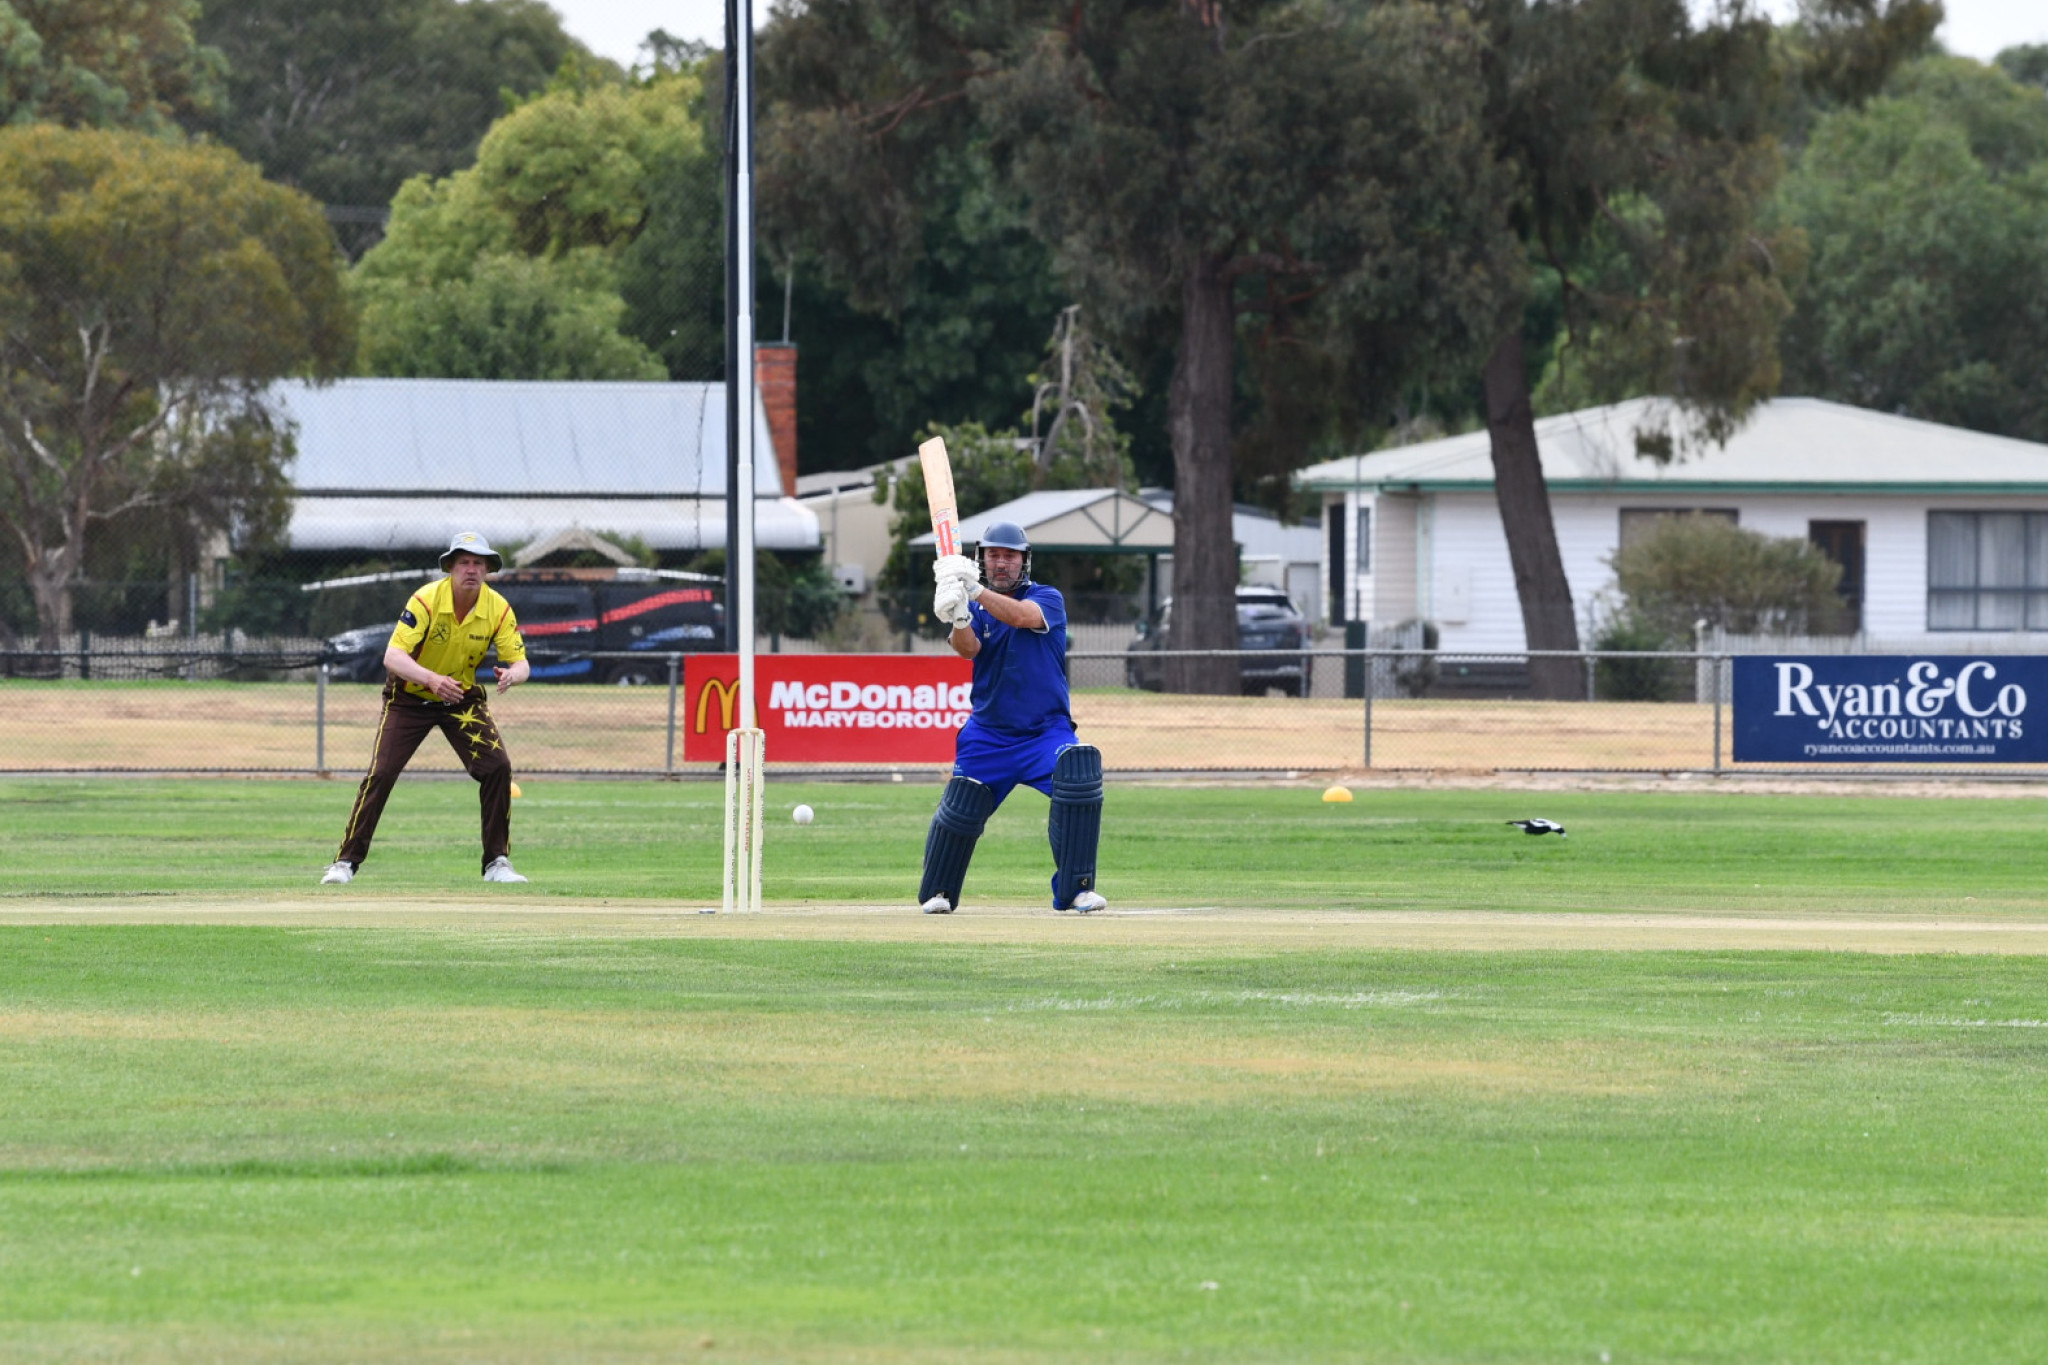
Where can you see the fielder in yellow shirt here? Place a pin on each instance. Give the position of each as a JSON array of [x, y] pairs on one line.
[[441, 636]]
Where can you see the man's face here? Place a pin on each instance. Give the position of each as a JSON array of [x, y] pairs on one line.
[[1005, 568], [468, 570]]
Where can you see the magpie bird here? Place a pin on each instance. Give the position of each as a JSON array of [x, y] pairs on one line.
[[1539, 827]]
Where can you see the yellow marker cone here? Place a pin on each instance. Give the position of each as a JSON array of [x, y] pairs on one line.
[[516, 793], [1337, 794]]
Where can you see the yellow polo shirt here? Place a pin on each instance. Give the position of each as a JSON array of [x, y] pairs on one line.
[[427, 630]]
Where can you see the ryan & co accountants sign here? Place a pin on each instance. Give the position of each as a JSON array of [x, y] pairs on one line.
[[1890, 709], [830, 708]]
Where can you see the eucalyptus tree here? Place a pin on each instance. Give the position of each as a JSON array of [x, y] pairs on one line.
[[151, 291], [1928, 292], [104, 63], [513, 267], [1644, 143], [347, 99], [1290, 194]]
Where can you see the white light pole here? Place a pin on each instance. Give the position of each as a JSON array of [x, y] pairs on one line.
[[745, 747], [742, 76]]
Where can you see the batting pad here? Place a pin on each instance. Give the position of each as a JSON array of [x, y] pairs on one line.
[[1074, 825], [963, 813]]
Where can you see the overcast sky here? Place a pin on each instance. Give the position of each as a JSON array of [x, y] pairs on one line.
[[614, 28]]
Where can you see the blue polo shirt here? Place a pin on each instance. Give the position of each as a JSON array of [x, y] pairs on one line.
[[1020, 676]]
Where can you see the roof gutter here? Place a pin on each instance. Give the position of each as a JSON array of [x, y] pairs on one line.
[[1666, 487]]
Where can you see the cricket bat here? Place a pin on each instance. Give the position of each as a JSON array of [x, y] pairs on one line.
[[938, 493]]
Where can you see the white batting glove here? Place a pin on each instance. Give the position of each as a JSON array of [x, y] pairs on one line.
[[955, 566], [949, 603]]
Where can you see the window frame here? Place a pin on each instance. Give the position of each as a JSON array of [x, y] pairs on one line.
[[2025, 600]]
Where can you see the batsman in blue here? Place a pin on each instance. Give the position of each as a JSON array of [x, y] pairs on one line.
[[1021, 732]]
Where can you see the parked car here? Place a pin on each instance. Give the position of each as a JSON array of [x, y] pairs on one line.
[[569, 615], [1266, 620]]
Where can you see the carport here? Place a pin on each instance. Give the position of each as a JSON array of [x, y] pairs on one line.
[[1090, 521]]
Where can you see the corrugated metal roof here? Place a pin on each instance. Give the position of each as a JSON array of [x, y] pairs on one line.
[[513, 438], [1788, 444]]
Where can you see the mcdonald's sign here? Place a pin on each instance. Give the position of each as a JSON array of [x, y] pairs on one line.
[[727, 693], [830, 708]]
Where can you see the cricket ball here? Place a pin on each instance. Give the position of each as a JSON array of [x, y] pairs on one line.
[[803, 815], [515, 791]]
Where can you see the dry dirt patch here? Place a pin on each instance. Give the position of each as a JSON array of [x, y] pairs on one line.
[[556, 728]]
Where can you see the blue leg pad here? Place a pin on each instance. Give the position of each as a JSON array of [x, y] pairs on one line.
[[963, 813], [1074, 824]]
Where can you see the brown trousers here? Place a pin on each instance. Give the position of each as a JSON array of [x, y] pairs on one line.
[[405, 721]]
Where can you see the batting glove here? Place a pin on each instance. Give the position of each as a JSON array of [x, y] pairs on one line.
[[955, 566], [949, 603]]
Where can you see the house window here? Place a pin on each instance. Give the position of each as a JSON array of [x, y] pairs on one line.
[[1365, 540], [1638, 522], [1987, 570]]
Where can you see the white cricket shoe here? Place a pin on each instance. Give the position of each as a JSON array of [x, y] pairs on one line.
[[938, 905], [500, 870], [1087, 903], [339, 874]]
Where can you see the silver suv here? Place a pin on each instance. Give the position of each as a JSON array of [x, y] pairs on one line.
[[1266, 620]]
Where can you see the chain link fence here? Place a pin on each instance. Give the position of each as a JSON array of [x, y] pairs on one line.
[[281, 707]]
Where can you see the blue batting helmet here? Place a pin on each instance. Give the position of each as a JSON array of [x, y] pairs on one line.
[[1004, 535]]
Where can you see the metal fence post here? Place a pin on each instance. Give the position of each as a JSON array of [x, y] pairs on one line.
[[1716, 674], [1591, 659], [84, 654], [1371, 668], [320, 720], [674, 668]]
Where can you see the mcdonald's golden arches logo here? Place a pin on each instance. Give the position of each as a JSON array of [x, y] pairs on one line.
[[728, 703]]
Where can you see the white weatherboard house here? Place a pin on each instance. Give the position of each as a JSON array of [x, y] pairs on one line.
[[1942, 533]]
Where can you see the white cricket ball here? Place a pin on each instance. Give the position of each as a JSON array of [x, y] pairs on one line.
[[802, 815]]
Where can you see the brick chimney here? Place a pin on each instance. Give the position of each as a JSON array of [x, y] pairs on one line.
[[775, 376]]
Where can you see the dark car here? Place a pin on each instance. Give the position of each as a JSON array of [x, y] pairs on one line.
[[567, 616], [1266, 620]]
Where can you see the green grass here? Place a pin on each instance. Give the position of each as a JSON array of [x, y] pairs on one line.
[[521, 1144], [1162, 846]]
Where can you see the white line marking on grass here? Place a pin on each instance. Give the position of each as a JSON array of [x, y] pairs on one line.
[[1196, 999], [1944, 1022]]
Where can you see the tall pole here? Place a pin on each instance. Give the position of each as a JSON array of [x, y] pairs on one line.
[[730, 103], [739, 350]]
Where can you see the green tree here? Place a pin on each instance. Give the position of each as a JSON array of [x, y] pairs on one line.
[[1928, 292], [921, 293], [104, 63], [348, 99], [1640, 143], [1293, 186], [2027, 64], [672, 274], [1076, 396], [510, 317], [511, 267], [148, 293], [1697, 568], [1193, 177]]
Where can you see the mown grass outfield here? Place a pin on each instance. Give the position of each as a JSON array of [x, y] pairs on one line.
[[1387, 1081]]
